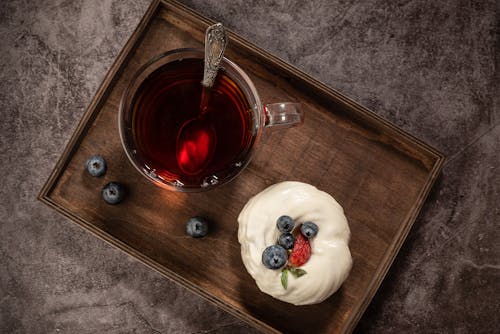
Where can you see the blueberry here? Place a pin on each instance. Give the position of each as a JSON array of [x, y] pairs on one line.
[[309, 230], [286, 240], [274, 257], [113, 193], [197, 227], [285, 224], [96, 165]]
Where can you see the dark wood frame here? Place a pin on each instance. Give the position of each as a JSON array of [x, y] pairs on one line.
[[431, 158]]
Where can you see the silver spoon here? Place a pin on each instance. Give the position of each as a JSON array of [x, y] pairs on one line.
[[197, 137], [215, 45]]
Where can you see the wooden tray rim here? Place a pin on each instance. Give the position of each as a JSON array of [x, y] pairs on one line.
[[102, 93]]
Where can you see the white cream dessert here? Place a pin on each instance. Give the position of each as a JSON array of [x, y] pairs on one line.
[[330, 260]]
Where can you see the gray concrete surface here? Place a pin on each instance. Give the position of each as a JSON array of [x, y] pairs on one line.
[[431, 67]]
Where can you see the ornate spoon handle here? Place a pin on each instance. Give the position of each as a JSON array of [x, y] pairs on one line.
[[215, 45]]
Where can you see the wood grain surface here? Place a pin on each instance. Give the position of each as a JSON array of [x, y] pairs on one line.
[[378, 173]]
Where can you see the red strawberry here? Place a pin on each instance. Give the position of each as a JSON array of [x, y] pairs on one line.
[[301, 251]]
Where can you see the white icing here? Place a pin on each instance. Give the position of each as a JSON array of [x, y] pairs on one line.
[[330, 260]]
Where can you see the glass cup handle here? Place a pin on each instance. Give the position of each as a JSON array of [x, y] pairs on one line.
[[284, 113]]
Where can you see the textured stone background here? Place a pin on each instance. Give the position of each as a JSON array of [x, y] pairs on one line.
[[431, 67]]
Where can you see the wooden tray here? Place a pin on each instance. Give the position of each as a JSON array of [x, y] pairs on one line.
[[379, 174]]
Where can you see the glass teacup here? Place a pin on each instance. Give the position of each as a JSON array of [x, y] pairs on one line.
[[164, 99]]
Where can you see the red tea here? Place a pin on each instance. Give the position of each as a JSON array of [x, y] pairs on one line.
[[171, 96]]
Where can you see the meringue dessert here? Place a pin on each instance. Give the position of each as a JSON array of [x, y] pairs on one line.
[[294, 242]]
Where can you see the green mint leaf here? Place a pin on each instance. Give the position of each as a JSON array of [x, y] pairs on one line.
[[298, 272], [284, 278]]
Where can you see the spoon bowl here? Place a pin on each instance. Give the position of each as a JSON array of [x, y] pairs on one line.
[[196, 144]]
